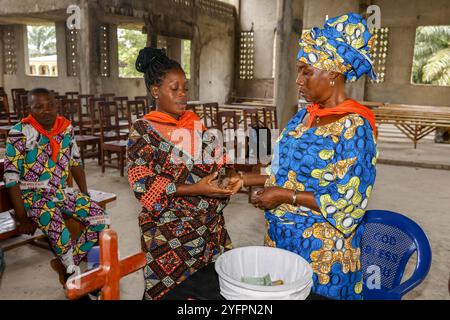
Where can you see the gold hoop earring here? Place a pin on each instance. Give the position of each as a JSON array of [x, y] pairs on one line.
[[332, 83]]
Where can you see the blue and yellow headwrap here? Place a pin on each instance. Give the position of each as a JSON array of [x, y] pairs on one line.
[[343, 46]]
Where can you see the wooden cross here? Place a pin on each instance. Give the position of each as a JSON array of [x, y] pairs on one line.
[[107, 276]]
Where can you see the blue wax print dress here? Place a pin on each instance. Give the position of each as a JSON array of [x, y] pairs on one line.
[[337, 163]]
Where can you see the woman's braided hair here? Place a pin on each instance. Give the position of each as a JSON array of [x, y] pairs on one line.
[[155, 64]]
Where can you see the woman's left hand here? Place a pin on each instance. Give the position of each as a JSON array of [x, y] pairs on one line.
[[271, 197]]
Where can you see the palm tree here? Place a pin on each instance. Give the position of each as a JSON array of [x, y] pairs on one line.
[[431, 64], [41, 40]]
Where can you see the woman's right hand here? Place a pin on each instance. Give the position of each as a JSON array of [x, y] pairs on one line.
[[206, 187]]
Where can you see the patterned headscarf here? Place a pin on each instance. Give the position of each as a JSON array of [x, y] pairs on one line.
[[343, 46]]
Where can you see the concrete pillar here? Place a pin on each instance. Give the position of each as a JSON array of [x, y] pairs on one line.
[[61, 53], [113, 52], [87, 53], [2, 58], [174, 49], [289, 24], [21, 50]]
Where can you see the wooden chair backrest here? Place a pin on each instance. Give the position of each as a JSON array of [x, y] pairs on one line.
[[72, 94], [85, 102], [15, 97], [4, 107], [228, 120], [143, 98], [94, 113], [270, 117], [210, 114], [135, 109], [107, 96], [122, 104], [71, 109], [250, 118], [23, 108], [109, 120]]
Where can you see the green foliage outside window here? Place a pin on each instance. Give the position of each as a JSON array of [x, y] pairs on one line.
[[41, 41], [129, 44], [186, 57], [431, 64]]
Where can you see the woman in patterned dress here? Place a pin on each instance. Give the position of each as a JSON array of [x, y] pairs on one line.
[[182, 224], [323, 170]]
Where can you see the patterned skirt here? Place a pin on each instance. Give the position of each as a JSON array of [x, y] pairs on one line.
[[177, 244]]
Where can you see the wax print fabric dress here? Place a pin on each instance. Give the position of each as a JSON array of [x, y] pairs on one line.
[[43, 182], [337, 163], [180, 235]]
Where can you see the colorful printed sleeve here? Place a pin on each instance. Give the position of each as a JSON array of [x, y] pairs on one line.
[[15, 155], [346, 183], [151, 188], [75, 158]]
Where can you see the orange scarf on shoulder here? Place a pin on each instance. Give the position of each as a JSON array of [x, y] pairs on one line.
[[346, 107], [60, 125], [187, 120]]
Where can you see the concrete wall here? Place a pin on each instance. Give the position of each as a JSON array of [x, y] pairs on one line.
[[403, 17], [262, 13], [62, 83], [216, 68], [212, 36]]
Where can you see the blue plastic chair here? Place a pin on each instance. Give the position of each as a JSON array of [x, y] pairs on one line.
[[93, 258], [388, 242]]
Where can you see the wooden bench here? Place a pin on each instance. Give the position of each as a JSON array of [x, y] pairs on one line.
[[10, 237], [416, 122]]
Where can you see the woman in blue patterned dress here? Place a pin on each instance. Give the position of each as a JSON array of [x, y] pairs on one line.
[[323, 170]]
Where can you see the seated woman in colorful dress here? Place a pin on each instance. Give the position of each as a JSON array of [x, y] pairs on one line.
[[323, 171], [41, 151], [182, 223]]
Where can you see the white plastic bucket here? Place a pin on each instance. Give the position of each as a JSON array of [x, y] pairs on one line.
[[256, 261]]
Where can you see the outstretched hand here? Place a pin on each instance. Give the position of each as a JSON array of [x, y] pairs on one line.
[[210, 188], [270, 197]]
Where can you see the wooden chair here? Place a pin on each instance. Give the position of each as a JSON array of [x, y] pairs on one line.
[[228, 122], [136, 109], [23, 107], [250, 121], [111, 138], [72, 95], [71, 109], [94, 115], [270, 117], [15, 92], [107, 96], [122, 104], [107, 276], [5, 112], [250, 118], [147, 101], [210, 114], [85, 102]]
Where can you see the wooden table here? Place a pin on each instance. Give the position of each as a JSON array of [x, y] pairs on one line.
[[416, 122]]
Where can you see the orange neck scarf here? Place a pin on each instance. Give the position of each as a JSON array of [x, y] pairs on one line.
[[348, 106], [187, 120], [60, 125]]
